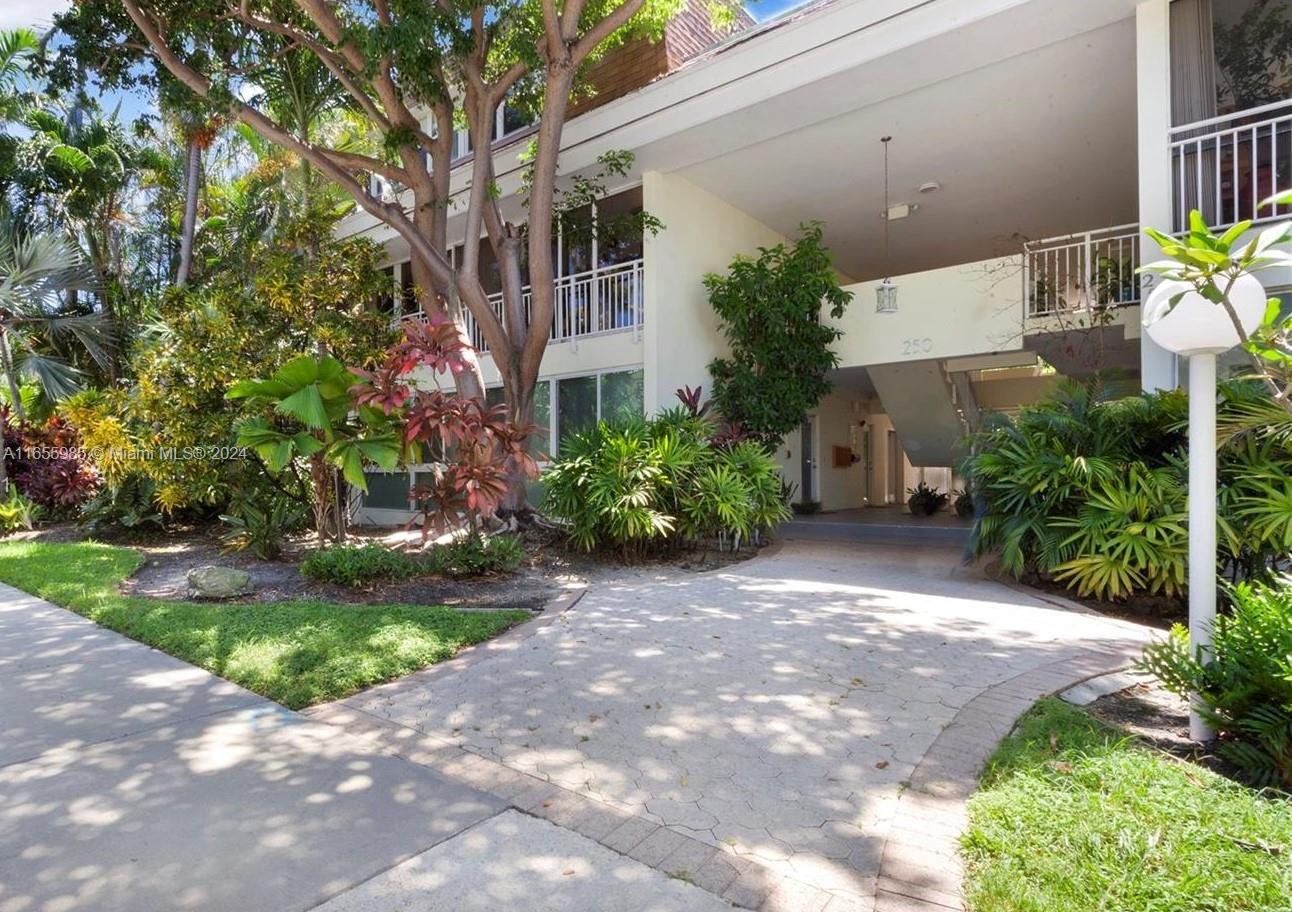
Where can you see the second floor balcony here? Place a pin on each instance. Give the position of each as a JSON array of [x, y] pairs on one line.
[[1226, 166], [1082, 273], [598, 301]]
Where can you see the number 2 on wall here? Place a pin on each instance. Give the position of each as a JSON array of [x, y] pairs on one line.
[[916, 346]]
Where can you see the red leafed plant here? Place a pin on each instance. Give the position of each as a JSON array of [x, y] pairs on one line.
[[483, 452], [44, 462]]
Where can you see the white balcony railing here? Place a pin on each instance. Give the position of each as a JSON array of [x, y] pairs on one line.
[[1082, 272], [605, 300], [1226, 166]]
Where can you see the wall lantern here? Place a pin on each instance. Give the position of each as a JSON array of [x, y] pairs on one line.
[[1199, 329]]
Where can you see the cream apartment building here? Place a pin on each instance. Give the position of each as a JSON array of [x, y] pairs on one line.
[[1031, 140]]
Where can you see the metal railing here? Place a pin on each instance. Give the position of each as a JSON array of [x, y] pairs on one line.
[[608, 299], [1226, 166], [1087, 271]]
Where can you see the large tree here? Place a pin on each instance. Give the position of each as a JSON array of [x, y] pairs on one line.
[[396, 61]]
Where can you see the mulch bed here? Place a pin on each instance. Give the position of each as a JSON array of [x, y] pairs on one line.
[[549, 568], [1159, 719]]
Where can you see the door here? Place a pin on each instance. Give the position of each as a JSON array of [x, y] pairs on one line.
[[894, 468], [807, 444]]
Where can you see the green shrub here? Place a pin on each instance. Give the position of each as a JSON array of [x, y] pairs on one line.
[[642, 485], [129, 505], [359, 565], [261, 525], [1090, 490], [17, 512], [1245, 688], [475, 555]]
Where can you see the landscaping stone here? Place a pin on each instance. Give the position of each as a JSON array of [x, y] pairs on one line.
[[212, 582]]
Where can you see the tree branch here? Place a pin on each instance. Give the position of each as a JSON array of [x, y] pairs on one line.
[[614, 20]]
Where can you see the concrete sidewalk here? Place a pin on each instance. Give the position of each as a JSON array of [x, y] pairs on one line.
[[132, 781]]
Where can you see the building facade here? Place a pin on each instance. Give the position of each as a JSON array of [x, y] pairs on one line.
[[1031, 141]]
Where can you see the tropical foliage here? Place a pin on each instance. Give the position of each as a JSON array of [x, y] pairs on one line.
[[315, 421], [771, 310], [655, 485], [1090, 491], [1244, 688], [475, 450]]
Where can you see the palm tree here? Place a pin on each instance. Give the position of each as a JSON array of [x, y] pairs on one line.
[[17, 47], [37, 324]]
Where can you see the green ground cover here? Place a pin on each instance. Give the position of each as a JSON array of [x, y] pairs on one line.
[[1075, 817], [296, 652]]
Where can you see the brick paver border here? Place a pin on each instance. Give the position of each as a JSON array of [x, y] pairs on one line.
[[920, 869]]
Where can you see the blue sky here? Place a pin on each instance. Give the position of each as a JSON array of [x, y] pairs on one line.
[[766, 9]]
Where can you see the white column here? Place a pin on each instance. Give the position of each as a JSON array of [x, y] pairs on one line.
[[1153, 68], [653, 200], [1202, 515]]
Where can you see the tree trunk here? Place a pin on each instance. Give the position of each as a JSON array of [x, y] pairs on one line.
[[6, 364], [188, 228]]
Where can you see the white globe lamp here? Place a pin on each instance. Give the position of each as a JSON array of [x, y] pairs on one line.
[[1194, 325], [1181, 320]]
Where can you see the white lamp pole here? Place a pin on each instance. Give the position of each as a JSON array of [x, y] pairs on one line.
[[1200, 330], [1202, 516]]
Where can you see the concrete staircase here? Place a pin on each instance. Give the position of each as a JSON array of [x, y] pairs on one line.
[[930, 410]]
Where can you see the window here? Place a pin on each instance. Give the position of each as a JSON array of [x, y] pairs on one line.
[[387, 491], [583, 401], [408, 291], [622, 394], [541, 443], [576, 406], [512, 119]]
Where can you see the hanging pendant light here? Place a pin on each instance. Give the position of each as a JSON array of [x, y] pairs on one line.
[[886, 292]]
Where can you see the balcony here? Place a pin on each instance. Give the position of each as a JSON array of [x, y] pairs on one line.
[[608, 299], [1082, 273], [1225, 166]]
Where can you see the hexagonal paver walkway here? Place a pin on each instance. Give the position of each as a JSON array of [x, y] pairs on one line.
[[775, 710]]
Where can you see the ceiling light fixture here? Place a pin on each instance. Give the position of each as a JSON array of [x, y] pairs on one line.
[[886, 292]]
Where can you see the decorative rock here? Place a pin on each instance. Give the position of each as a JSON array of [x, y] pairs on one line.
[[218, 582]]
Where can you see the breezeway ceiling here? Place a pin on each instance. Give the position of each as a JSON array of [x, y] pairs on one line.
[[1034, 145]]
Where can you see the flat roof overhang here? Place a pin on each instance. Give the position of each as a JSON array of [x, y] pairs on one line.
[[1023, 110]]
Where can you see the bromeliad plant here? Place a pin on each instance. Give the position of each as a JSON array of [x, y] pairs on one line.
[[314, 419], [480, 449]]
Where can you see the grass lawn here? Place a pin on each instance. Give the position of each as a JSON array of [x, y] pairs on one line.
[[1074, 817], [298, 652]]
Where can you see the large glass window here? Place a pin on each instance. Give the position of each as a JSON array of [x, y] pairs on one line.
[[618, 238], [576, 403], [387, 491], [540, 445], [622, 395]]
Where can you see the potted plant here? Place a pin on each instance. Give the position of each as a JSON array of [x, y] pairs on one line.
[[964, 503], [925, 501]]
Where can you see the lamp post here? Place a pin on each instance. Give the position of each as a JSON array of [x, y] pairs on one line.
[[1181, 320]]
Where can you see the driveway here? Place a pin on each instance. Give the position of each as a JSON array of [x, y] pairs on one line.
[[132, 781], [775, 710]]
